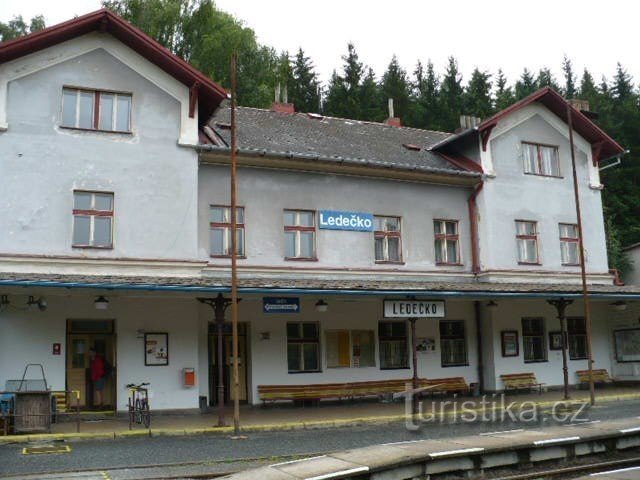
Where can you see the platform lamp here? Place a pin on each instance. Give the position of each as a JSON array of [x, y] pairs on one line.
[[322, 306], [101, 303]]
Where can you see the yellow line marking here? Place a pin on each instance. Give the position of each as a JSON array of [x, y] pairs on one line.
[[105, 475], [45, 450]]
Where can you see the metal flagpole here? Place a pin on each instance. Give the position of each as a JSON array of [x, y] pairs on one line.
[[234, 241], [585, 292]]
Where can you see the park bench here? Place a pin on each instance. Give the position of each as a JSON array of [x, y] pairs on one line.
[[600, 375], [521, 381], [353, 390]]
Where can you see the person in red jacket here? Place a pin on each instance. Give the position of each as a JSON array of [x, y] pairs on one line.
[[98, 376]]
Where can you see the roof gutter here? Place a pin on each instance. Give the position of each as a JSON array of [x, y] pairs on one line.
[[314, 291], [334, 159]]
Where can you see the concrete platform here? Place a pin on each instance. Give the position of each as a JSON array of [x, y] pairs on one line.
[[288, 417], [471, 454]]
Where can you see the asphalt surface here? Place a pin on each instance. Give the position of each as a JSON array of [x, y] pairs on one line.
[[217, 453]]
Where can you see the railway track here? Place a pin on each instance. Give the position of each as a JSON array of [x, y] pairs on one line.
[[573, 471]]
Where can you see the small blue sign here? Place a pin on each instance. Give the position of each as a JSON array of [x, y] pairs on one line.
[[280, 304], [354, 221]]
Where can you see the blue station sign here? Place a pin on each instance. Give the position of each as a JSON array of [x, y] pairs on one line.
[[354, 221], [280, 304]]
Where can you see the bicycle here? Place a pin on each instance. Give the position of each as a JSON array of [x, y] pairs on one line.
[[139, 411]]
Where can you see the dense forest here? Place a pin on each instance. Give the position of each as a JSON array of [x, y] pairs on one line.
[[206, 36]]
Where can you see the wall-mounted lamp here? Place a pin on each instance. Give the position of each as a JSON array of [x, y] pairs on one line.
[[33, 304], [492, 304], [322, 306], [101, 303], [619, 306]]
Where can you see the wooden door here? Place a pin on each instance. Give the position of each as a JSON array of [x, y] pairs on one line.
[[227, 354], [77, 365]]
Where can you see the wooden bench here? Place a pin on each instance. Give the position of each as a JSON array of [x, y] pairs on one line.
[[449, 385], [353, 390], [521, 381], [600, 375]]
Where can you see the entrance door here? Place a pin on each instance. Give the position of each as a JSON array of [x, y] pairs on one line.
[[82, 335], [227, 354]]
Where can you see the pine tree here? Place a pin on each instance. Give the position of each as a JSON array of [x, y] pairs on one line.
[[477, 95], [504, 93], [569, 89], [304, 89], [426, 106], [395, 85], [622, 84], [371, 101], [343, 97], [545, 79], [451, 92], [525, 85], [588, 90]]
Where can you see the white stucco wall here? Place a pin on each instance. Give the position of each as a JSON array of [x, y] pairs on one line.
[[513, 195], [266, 193], [27, 337], [152, 178]]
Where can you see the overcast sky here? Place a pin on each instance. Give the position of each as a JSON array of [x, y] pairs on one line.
[[489, 34]]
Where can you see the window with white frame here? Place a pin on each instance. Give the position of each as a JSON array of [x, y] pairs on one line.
[[92, 219], [350, 348], [453, 344], [541, 159], [527, 241], [447, 242], [388, 243], [299, 235], [96, 110], [569, 244], [220, 231], [533, 340], [392, 337], [303, 347]]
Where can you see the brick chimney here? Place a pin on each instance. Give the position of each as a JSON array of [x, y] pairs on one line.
[[392, 120], [281, 104], [578, 104]]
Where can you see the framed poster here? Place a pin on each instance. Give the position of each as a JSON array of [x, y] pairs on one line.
[[425, 345], [156, 349], [510, 344], [555, 340]]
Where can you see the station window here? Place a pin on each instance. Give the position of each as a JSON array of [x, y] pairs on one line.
[[350, 348], [220, 231], [303, 347], [533, 340], [299, 235], [92, 219], [388, 243], [569, 244], [577, 333], [96, 110], [447, 242], [453, 344], [392, 337], [541, 159], [527, 242]]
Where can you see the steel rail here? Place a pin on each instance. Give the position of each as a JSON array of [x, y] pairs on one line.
[[577, 469]]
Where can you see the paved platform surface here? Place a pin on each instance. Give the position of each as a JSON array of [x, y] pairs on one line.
[[287, 417], [197, 454], [406, 454]]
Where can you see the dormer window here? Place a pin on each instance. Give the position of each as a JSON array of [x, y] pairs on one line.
[[541, 159], [96, 110]]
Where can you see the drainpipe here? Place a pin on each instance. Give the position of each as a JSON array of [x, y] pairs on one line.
[[475, 268], [473, 220]]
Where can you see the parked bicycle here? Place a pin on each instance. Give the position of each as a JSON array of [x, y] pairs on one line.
[[139, 411]]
